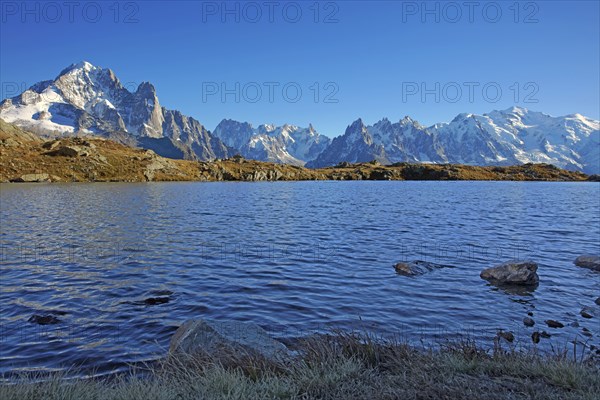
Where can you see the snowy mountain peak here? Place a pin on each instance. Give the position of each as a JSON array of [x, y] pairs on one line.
[[82, 65], [88, 99], [516, 110]]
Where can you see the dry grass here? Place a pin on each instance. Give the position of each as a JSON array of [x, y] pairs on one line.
[[340, 366]]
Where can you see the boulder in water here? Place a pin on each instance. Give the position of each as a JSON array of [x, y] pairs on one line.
[[512, 273], [588, 261]]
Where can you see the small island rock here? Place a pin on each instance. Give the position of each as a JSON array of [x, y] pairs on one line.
[[512, 273]]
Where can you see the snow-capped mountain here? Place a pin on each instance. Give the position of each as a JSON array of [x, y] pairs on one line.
[[512, 136], [286, 144], [86, 99]]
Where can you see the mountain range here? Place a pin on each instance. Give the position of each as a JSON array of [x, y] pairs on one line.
[[86, 99]]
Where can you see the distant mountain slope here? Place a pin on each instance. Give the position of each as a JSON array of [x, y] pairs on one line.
[[91, 100], [287, 144], [508, 137]]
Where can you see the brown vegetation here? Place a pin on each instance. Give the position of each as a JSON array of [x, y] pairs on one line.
[[26, 157]]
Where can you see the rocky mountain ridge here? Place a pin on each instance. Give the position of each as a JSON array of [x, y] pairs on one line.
[[88, 100]]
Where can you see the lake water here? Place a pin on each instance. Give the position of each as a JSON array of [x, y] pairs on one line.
[[293, 257]]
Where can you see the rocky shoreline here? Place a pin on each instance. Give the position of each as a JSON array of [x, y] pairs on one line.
[[25, 157]]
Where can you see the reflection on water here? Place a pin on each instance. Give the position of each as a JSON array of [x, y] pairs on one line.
[[111, 270]]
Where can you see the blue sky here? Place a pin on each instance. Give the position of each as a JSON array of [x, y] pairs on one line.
[[367, 59]]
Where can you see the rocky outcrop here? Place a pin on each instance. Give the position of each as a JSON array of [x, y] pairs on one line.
[[68, 151], [512, 273], [218, 338], [588, 261], [32, 178]]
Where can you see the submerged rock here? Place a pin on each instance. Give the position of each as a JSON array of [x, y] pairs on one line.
[[529, 322], [588, 261], [156, 300], [535, 337], [598, 301], [417, 267], [512, 273], [47, 319], [586, 332], [554, 324], [218, 338], [587, 312]]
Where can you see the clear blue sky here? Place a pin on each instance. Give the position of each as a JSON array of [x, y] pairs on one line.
[[376, 54]]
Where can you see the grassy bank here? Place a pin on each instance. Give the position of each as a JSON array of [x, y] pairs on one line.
[[342, 367]]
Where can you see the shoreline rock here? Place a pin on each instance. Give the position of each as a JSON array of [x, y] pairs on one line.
[[32, 178], [216, 338]]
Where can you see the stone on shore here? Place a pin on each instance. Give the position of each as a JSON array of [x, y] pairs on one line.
[[588, 261], [219, 338], [512, 273], [31, 178], [508, 336]]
